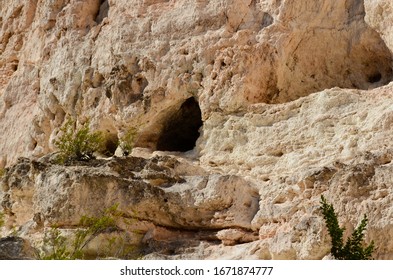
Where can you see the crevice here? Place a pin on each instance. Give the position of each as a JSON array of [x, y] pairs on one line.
[[102, 12], [267, 20], [17, 12]]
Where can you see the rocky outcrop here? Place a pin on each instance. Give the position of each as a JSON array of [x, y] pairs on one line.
[[144, 189], [175, 210], [246, 112], [40, 194]]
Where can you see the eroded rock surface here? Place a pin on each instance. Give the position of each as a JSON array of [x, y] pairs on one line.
[[257, 108], [41, 194], [134, 63]]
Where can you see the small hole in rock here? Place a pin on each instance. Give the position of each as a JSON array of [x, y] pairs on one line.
[[14, 67], [103, 11], [108, 93], [278, 154], [181, 129], [33, 144], [267, 20], [96, 102], [375, 78]]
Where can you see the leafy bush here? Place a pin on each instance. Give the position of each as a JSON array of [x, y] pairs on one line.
[[128, 140], [62, 248], [58, 246], [93, 226], [78, 144], [353, 248]]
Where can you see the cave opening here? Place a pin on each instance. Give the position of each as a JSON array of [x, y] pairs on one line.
[[181, 129]]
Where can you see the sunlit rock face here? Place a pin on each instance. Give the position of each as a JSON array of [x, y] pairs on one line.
[[246, 113]]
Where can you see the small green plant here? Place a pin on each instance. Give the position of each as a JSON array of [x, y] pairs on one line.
[[353, 248], [57, 246], [78, 144], [63, 248], [93, 226], [128, 140]]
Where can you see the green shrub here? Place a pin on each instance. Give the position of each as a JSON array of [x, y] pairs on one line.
[[92, 227], [58, 247], [62, 248], [78, 144], [128, 140], [353, 248]]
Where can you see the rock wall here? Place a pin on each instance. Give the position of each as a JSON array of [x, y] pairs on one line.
[[288, 100], [133, 63]]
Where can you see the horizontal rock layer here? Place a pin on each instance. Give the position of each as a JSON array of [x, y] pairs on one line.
[[279, 101]]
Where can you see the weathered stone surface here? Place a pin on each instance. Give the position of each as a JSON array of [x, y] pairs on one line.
[[379, 16], [125, 63], [277, 141], [294, 99], [61, 195]]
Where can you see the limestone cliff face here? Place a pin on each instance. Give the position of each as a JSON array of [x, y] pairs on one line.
[[279, 101]]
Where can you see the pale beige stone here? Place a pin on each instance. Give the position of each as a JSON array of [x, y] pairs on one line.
[[131, 63], [295, 98]]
